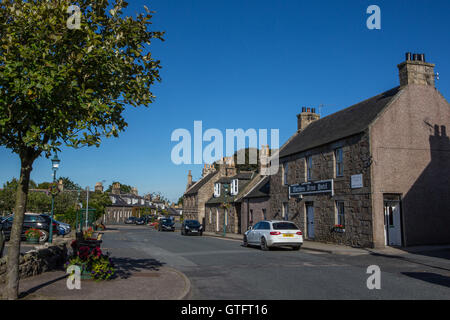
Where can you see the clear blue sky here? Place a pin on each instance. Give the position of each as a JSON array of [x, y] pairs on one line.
[[253, 64]]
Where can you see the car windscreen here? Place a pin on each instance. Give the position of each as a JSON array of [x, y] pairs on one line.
[[284, 226], [192, 223], [167, 221]]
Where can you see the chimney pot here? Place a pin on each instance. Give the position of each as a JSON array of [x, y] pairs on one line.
[[308, 110], [408, 56]]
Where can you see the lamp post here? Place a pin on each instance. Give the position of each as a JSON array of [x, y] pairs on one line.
[[225, 210], [55, 166]]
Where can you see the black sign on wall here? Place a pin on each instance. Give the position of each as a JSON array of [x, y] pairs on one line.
[[324, 186]]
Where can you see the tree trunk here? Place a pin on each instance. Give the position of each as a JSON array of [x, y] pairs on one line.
[[12, 276]]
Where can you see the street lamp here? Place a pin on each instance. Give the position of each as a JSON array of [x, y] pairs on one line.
[[55, 166]]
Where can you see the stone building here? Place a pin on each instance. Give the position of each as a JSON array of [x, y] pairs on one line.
[[221, 209], [197, 193], [374, 174], [125, 205]]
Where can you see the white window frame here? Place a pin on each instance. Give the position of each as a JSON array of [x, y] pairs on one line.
[[216, 190], [340, 217], [234, 187]]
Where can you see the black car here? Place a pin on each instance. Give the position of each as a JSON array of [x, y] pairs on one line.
[[130, 220], [31, 221], [166, 225], [191, 227], [140, 221]]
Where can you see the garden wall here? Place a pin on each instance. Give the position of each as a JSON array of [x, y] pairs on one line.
[[37, 261]]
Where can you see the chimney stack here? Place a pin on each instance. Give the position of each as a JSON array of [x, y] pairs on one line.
[[99, 187], [116, 188], [416, 70], [307, 116], [189, 182]]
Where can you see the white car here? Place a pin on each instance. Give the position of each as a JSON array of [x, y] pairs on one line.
[[274, 233]]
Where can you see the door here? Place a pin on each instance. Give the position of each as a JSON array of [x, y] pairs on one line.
[[392, 223], [310, 220], [253, 234]]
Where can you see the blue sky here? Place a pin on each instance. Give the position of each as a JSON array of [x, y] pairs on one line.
[[253, 64]]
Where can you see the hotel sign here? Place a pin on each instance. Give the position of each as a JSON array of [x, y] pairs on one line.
[[324, 186]]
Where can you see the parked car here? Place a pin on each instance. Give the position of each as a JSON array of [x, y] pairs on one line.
[[166, 225], [191, 227], [130, 220], [31, 221], [63, 228], [274, 233], [140, 221]]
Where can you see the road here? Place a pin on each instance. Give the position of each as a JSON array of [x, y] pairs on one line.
[[223, 269]]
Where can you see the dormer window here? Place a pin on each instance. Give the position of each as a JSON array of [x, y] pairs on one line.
[[216, 190], [234, 187]]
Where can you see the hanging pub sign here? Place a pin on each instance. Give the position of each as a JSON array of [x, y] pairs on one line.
[[324, 186]]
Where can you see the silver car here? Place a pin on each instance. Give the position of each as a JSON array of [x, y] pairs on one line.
[[274, 233]]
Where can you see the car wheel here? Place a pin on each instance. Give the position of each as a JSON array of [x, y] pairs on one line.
[[264, 246], [44, 236], [245, 241], [296, 248]]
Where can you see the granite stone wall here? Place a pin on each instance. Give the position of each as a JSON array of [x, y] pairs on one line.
[[37, 261], [357, 202]]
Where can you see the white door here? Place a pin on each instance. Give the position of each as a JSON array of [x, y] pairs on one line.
[[310, 221], [392, 222]]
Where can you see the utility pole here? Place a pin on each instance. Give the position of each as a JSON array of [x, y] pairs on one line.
[[87, 206]]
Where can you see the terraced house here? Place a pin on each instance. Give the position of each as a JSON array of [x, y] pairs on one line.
[[374, 174]]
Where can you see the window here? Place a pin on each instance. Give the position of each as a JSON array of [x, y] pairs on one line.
[[251, 216], [234, 187], [257, 226], [339, 162], [264, 214], [340, 217], [264, 226], [309, 168], [284, 226], [286, 211], [285, 173], [217, 190]]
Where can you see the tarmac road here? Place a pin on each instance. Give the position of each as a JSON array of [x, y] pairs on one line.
[[223, 269]]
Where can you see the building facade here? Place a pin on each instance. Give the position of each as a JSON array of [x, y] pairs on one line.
[[374, 174]]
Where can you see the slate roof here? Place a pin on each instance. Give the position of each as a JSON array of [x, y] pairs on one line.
[[200, 183], [339, 125], [262, 189]]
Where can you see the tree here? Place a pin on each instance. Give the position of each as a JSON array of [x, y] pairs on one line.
[[67, 85], [69, 184]]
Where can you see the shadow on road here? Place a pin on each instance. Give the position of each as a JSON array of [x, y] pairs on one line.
[[43, 285], [125, 267], [429, 277], [407, 260]]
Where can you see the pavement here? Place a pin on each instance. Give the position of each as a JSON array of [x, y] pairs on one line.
[[347, 250], [168, 265], [136, 279]]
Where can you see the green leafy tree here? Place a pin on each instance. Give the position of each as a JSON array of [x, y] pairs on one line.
[[61, 85], [69, 184]]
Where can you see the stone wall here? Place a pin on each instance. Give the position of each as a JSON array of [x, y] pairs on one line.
[[357, 202], [37, 261], [256, 205]]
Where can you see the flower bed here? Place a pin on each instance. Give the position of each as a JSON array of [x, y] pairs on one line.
[[93, 263], [339, 228]]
